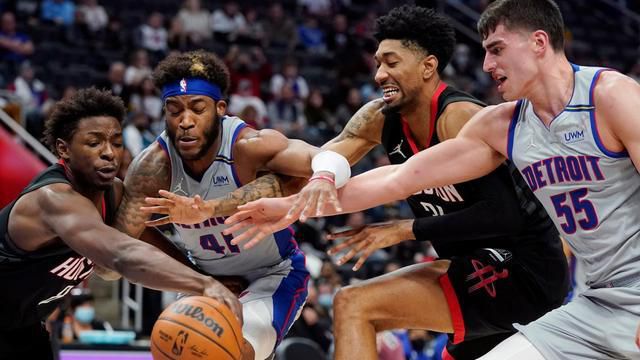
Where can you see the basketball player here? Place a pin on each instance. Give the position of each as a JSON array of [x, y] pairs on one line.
[[203, 152], [56, 231], [470, 295], [575, 137]]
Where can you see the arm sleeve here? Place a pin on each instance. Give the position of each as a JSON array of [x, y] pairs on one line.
[[496, 213]]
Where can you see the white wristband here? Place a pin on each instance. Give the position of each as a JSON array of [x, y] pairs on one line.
[[334, 163]]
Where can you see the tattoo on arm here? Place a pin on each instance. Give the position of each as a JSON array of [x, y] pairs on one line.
[[149, 173], [269, 185]]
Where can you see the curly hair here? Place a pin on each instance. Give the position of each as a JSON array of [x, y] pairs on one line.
[[528, 15], [198, 63], [66, 114], [419, 29]]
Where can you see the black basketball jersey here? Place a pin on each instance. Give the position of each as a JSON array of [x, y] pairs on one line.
[[400, 145], [33, 283]]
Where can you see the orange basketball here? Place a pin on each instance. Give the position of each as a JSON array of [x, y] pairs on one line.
[[198, 328]]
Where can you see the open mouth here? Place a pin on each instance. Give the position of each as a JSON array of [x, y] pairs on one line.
[[500, 80], [389, 93], [107, 172], [187, 141]]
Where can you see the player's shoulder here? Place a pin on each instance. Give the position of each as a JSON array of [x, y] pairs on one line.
[[154, 156], [614, 84], [495, 114], [52, 196]]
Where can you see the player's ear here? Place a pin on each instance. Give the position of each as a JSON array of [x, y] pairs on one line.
[[62, 148], [429, 67], [221, 107], [540, 41]]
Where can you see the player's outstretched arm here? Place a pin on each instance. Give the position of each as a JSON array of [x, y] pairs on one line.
[[75, 220]]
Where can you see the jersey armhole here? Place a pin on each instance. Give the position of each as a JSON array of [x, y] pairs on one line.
[[234, 138], [512, 129], [594, 124]]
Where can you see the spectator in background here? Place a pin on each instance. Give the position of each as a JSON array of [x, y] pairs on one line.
[[94, 16], [244, 97], [58, 12], [254, 30], [15, 47], [195, 22], [321, 125], [147, 100], [177, 38], [286, 113], [138, 69], [317, 8], [31, 91], [83, 315], [227, 23], [338, 38], [250, 116], [137, 135], [312, 37], [153, 37], [289, 77], [115, 82], [280, 30], [345, 111], [252, 66]]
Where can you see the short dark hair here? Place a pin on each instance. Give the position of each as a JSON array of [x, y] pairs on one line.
[[197, 63], [529, 15], [85, 103], [420, 29]]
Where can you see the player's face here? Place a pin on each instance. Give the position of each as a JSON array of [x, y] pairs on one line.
[[94, 153], [510, 61], [399, 73], [193, 124]]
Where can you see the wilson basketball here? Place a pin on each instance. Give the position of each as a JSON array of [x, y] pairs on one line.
[[196, 327]]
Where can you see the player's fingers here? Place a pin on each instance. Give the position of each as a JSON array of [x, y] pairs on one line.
[[341, 234], [365, 255], [248, 234], [261, 235], [158, 201], [167, 194], [197, 202], [310, 207], [157, 222], [155, 210], [346, 244], [298, 205], [353, 252], [239, 226], [238, 217], [320, 204], [251, 205], [334, 202]]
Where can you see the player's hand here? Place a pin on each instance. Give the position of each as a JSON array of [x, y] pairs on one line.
[[313, 198], [638, 337], [259, 219], [179, 209], [215, 290], [366, 239]]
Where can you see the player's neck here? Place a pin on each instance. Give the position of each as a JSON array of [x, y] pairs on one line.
[[90, 191], [553, 89], [417, 114]]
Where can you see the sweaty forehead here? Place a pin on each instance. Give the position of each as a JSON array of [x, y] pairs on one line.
[[390, 47]]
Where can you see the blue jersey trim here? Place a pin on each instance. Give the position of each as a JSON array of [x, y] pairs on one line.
[[236, 132], [290, 296], [594, 126], [512, 129], [285, 241], [163, 145]]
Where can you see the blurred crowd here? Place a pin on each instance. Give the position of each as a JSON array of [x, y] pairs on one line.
[[302, 67]]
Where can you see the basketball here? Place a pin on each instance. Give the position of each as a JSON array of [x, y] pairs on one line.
[[199, 328]]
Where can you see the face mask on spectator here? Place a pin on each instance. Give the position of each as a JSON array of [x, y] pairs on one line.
[[325, 300], [84, 314]]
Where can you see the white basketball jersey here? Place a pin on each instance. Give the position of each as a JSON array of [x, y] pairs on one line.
[[208, 247], [592, 194]]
